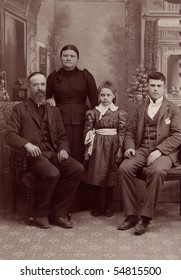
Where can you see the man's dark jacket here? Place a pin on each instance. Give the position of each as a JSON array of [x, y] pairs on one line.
[[168, 129], [24, 126]]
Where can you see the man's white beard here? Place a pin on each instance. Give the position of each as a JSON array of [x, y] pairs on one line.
[[39, 99]]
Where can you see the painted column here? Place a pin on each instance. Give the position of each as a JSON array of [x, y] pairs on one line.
[[151, 43]]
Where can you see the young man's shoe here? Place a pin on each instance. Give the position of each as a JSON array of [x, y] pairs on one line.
[[128, 223], [42, 222], [62, 222], [141, 226]]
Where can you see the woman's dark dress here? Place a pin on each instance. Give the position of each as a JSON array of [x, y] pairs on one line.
[[71, 90]]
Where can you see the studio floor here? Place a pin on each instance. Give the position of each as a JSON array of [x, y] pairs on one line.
[[92, 238]]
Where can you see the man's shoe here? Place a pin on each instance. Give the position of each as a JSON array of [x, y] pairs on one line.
[[62, 222], [141, 226], [42, 222], [128, 223]]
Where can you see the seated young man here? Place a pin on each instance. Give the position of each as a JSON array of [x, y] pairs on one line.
[[152, 139]]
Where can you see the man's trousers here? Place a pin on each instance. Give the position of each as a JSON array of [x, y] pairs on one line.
[[154, 181], [56, 184]]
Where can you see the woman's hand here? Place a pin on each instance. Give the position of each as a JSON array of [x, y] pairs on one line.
[[51, 101]]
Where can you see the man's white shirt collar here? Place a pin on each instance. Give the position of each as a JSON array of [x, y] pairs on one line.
[[154, 107], [157, 103]]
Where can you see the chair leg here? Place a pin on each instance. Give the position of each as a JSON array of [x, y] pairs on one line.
[[31, 212], [15, 188], [69, 215], [180, 198]]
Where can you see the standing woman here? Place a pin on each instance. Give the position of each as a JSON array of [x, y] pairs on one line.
[[68, 88]]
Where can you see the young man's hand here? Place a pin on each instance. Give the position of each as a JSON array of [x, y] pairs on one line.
[[129, 153], [154, 155]]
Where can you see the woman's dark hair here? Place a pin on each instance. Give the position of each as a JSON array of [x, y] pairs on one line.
[[70, 47]]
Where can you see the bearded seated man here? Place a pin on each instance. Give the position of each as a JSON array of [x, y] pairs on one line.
[[37, 128]]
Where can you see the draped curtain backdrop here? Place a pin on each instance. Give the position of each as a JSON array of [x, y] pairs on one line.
[[151, 43], [15, 44]]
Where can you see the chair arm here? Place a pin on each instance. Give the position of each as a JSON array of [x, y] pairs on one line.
[[18, 160], [24, 178], [173, 173], [27, 181]]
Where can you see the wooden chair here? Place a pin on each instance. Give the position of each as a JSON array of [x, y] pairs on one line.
[[24, 182], [172, 174]]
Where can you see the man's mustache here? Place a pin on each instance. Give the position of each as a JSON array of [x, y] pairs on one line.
[[40, 91]]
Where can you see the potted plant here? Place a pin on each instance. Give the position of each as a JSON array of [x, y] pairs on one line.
[[4, 96], [138, 88], [175, 91]]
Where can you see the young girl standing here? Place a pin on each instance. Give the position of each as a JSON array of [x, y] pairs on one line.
[[104, 129]]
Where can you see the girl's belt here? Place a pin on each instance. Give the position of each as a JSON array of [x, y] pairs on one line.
[[106, 131], [89, 139]]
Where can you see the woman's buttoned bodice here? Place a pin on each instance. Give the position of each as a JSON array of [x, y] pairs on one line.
[[70, 90]]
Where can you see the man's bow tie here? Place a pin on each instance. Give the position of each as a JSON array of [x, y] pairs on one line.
[[154, 104]]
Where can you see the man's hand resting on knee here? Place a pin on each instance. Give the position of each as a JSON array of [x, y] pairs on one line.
[[129, 153], [154, 155], [33, 150], [62, 155]]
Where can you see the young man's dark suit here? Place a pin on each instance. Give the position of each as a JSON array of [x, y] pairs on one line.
[[57, 182], [168, 138]]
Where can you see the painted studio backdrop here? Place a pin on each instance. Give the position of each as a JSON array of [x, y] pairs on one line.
[[98, 30], [113, 37]]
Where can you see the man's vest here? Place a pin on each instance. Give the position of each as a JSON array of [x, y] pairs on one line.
[[150, 131], [46, 144]]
